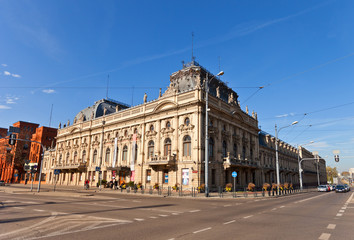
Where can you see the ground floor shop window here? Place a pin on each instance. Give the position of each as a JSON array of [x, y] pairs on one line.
[[165, 176], [148, 176], [185, 176]]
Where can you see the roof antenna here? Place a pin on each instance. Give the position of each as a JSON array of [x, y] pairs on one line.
[[193, 58], [107, 86]]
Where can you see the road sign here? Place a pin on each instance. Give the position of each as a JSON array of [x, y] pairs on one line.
[[234, 174], [56, 171], [98, 169]]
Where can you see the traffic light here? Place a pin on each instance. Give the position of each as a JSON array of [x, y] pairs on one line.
[[336, 158], [12, 139]]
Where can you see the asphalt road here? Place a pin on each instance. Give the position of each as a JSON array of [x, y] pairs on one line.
[[310, 215]]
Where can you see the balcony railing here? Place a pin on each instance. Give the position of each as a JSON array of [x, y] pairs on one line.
[[233, 162], [162, 160], [70, 165]]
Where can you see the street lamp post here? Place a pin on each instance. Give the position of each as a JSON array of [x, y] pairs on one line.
[[276, 152], [298, 160], [206, 170]]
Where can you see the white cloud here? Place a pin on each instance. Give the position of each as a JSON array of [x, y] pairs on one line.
[[16, 75], [48, 91], [4, 65], [7, 73], [11, 100], [4, 107], [285, 115]]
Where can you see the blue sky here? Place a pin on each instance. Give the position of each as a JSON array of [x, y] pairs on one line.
[[302, 52]]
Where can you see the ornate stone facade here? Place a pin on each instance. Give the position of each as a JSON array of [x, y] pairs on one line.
[[162, 141]]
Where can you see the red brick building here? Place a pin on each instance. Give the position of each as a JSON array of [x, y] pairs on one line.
[[12, 157], [46, 136]]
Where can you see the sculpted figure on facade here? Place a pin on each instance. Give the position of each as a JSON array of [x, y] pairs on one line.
[[104, 111], [218, 92], [231, 97], [68, 124], [160, 95], [117, 108], [59, 125], [247, 109], [145, 98]]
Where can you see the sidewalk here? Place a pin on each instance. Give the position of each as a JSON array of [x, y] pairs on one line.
[[79, 191]]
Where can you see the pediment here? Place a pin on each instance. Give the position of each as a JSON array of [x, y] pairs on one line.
[[165, 105]]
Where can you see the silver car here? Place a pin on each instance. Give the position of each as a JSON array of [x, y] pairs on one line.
[[322, 188]]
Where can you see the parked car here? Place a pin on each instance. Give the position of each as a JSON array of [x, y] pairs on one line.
[[340, 188], [2, 183], [333, 187], [347, 187], [323, 188]]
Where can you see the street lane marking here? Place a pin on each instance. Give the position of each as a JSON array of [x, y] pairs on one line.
[[229, 222], [282, 206], [303, 200], [161, 215], [193, 211], [339, 215], [228, 205], [38, 210], [331, 226], [202, 230], [248, 216], [324, 236], [138, 219], [19, 207], [349, 199], [341, 210], [153, 217], [175, 213], [274, 209], [344, 208]]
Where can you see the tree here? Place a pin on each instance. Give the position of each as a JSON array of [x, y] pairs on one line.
[[331, 173]]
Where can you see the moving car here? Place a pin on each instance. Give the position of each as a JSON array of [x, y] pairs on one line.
[[323, 188], [340, 188], [2, 183]]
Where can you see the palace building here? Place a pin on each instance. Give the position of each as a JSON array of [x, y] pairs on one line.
[[163, 141]]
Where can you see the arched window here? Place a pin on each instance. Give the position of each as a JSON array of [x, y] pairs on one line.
[[108, 155], [108, 136], [151, 149], [186, 121], [167, 147], [187, 146], [67, 157], [244, 153], [136, 152], [135, 130], [75, 157], [151, 128], [60, 158], [211, 147], [224, 149], [210, 123], [83, 159], [94, 158], [168, 124], [251, 154], [125, 153], [125, 133], [235, 150]]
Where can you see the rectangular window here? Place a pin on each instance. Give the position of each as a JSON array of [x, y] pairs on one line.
[[165, 176], [185, 176], [213, 176], [148, 176]]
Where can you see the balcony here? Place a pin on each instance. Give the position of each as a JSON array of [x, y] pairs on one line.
[[70, 166], [233, 162], [162, 160]]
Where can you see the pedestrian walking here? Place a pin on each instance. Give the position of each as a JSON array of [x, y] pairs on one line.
[[115, 184], [87, 184]]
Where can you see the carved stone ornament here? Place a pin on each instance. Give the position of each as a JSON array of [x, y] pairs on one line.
[[185, 128], [166, 131], [151, 133], [218, 92]]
